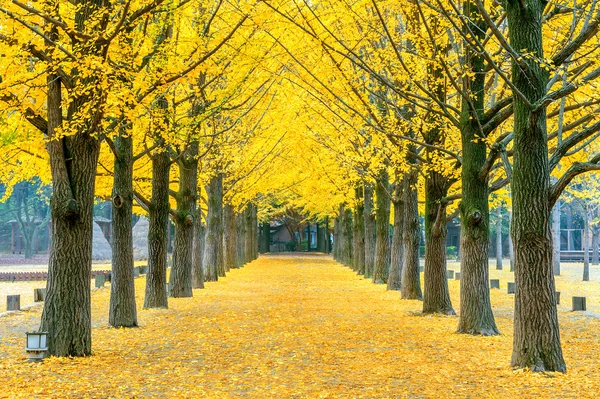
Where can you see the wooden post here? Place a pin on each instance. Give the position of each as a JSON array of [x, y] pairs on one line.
[[579, 303], [511, 288], [39, 294], [13, 302]]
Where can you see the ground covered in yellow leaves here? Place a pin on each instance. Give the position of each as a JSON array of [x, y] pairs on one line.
[[296, 327]]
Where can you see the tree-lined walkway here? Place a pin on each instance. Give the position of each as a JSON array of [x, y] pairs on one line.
[[294, 327]]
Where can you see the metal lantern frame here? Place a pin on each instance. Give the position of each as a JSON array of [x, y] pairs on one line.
[[37, 345]]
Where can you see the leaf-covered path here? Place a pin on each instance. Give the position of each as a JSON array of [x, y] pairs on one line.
[[293, 327]]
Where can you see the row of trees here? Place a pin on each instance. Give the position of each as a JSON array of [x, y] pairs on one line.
[[464, 95], [195, 109]]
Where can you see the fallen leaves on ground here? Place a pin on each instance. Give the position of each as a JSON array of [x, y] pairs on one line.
[[296, 327]]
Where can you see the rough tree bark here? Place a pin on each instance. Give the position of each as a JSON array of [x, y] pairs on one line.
[[476, 315], [359, 222], [411, 279], [241, 239], [556, 238], [536, 343], [499, 238], [122, 308], [511, 249], [348, 252], [436, 296], [249, 231], [230, 237], [180, 278], [213, 224], [586, 243], [382, 242], [198, 270], [595, 259], [158, 234], [370, 227], [73, 161], [397, 249]]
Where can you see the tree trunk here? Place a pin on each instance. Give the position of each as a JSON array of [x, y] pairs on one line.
[[411, 278], [595, 259], [180, 279], [556, 238], [382, 242], [359, 221], [241, 239], [336, 239], [397, 249], [536, 343], [348, 237], [511, 249], [370, 227], [476, 315], [499, 238], [249, 230], [220, 233], [436, 296], [586, 243], [266, 237], [198, 271], [355, 238], [230, 237], [213, 224], [122, 311], [73, 161], [255, 231], [158, 233]]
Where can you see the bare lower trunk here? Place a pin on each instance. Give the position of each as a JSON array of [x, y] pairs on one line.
[[586, 244], [180, 279], [411, 279], [241, 239], [397, 249], [556, 238], [198, 271], [254, 231], [436, 296], [221, 268], [348, 251], [230, 236], [511, 249], [499, 238], [213, 224], [67, 307], [249, 230], [382, 242], [536, 342], [369, 222], [122, 307], [158, 235], [595, 260]]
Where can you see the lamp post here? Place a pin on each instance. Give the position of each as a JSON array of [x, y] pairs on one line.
[[37, 345]]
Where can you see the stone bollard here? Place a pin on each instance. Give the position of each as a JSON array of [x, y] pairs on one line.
[[457, 276], [100, 280], [13, 302], [557, 294], [39, 295], [136, 272], [578, 303], [511, 288], [449, 273], [495, 283]]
